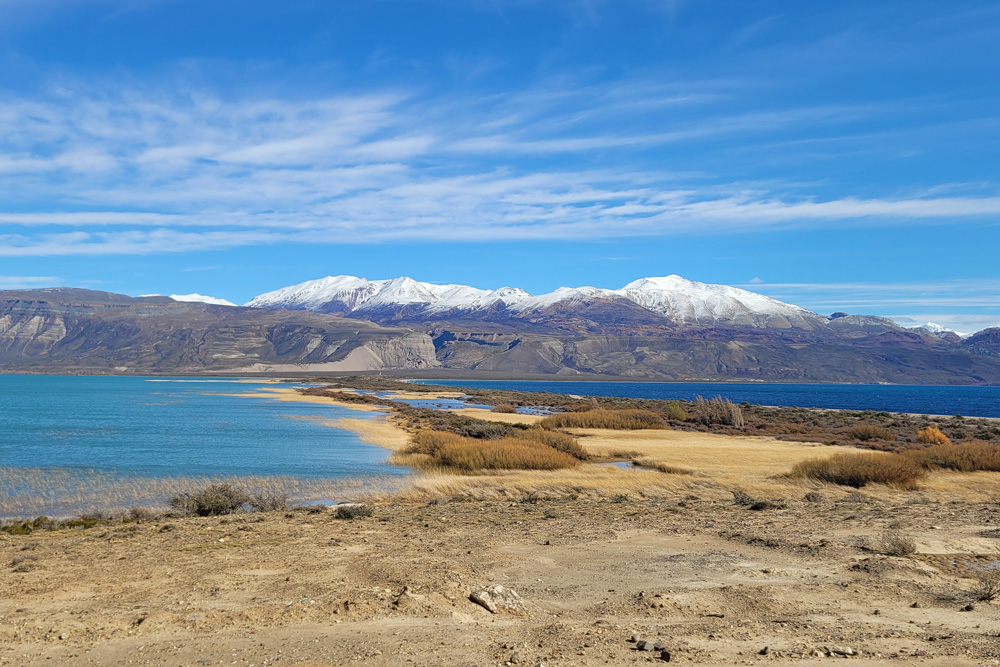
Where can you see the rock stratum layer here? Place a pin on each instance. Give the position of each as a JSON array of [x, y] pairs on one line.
[[82, 330]]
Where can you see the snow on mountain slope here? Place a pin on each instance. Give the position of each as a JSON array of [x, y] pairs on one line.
[[673, 297], [198, 298]]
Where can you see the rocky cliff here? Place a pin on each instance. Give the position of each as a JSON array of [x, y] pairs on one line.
[[83, 330]]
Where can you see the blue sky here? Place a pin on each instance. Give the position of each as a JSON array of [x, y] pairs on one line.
[[841, 156]]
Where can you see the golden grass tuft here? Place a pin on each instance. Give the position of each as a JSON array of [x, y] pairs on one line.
[[609, 419], [963, 457], [932, 435], [858, 470], [530, 451], [504, 408]]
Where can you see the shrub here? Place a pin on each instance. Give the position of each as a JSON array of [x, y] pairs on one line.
[[987, 586], [212, 500], [742, 498], [963, 457], [610, 419], [866, 432], [505, 408], [268, 502], [895, 544], [352, 511], [675, 411], [814, 497], [719, 410], [931, 435], [858, 470]]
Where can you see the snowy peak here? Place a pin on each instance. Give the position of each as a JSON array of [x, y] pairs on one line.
[[672, 297]]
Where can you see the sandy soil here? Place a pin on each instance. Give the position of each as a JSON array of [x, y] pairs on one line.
[[598, 554], [715, 582]]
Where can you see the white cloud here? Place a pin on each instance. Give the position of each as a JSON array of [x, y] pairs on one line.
[[28, 282], [123, 171]]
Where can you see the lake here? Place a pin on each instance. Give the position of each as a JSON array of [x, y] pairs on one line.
[[59, 430], [921, 399]]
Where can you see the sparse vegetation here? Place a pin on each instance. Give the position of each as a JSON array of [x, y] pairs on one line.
[[987, 586], [352, 511], [609, 419], [858, 470], [963, 457], [504, 408], [894, 544], [866, 432]]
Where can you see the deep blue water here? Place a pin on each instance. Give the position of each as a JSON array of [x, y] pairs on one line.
[[156, 427], [937, 400]]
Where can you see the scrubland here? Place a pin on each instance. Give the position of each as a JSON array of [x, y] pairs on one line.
[[686, 525]]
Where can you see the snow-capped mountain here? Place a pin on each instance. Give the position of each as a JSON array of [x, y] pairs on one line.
[[201, 298], [671, 297]]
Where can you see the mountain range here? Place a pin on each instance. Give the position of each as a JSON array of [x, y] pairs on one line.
[[657, 328]]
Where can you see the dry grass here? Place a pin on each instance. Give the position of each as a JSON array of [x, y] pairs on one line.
[[931, 435], [858, 470], [505, 408], [719, 410], [440, 449], [630, 420], [963, 457]]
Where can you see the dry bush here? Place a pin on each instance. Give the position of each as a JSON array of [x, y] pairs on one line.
[[212, 500], [268, 501], [858, 470], [894, 544], [963, 457], [527, 451], [719, 410], [932, 435], [505, 408], [352, 511], [987, 587], [610, 419], [866, 432]]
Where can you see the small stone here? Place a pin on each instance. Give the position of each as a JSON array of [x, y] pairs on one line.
[[915, 605], [665, 656], [497, 597], [764, 651], [515, 658], [634, 638], [659, 646], [643, 645], [969, 607]]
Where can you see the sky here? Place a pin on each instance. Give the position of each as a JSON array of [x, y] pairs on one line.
[[840, 156]]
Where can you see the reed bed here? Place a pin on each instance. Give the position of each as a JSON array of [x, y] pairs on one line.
[[963, 457], [622, 420], [527, 451], [62, 492], [858, 470]]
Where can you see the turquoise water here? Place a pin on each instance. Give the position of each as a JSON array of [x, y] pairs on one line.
[[919, 399], [160, 427]]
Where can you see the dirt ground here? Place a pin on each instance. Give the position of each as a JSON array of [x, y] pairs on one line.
[[715, 582]]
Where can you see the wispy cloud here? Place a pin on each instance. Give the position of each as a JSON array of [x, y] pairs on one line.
[[28, 282], [98, 170]]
